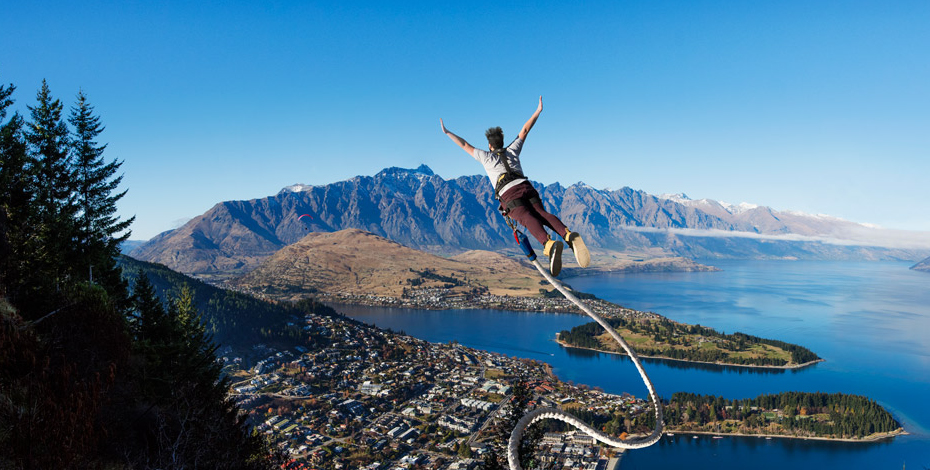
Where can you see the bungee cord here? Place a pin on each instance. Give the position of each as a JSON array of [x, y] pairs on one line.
[[513, 445]]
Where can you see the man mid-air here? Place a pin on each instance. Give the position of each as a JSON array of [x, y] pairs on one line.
[[519, 200]]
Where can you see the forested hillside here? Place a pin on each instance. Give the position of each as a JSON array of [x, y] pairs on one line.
[[835, 415], [231, 318], [93, 374]]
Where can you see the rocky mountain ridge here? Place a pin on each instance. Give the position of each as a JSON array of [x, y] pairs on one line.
[[421, 210]]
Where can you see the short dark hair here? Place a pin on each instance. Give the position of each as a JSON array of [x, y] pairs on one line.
[[495, 137]]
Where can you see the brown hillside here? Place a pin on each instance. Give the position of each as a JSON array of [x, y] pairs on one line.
[[357, 262]]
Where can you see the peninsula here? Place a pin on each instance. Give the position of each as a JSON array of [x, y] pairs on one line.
[[659, 337], [356, 267]]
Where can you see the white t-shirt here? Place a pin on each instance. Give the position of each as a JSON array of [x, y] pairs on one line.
[[495, 167]]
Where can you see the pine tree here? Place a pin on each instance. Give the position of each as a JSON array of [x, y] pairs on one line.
[[99, 230], [54, 222], [151, 332], [48, 137], [512, 413], [13, 179], [197, 425], [16, 201], [187, 313], [14, 189], [88, 380]]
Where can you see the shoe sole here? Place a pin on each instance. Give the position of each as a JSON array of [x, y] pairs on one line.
[[555, 260], [581, 252]]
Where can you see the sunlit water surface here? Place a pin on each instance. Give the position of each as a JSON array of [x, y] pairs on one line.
[[870, 321]]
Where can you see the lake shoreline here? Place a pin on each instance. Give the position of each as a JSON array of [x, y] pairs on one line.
[[335, 304], [686, 361], [865, 440], [830, 306]]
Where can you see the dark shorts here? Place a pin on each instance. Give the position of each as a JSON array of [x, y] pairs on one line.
[[533, 215]]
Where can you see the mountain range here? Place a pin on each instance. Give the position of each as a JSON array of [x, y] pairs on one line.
[[421, 210]]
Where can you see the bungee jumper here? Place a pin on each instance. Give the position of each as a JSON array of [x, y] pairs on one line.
[[519, 201]]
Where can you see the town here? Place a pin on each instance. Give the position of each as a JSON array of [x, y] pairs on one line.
[[372, 399], [439, 298]]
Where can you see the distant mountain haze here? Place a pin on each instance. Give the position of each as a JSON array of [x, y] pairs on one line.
[[421, 210]]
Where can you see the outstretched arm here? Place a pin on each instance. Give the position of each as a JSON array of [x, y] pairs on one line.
[[458, 140], [529, 124]]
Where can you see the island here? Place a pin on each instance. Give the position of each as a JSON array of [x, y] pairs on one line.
[[659, 337], [834, 416]]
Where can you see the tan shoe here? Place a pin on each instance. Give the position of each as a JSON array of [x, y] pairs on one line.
[[582, 256], [553, 250]]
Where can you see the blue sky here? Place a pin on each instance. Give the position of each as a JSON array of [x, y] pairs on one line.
[[820, 107]]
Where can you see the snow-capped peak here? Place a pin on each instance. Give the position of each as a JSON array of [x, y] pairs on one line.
[[738, 208], [297, 188], [680, 198], [582, 185], [420, 172]]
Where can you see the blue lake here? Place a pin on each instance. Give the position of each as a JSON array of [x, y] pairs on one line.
[[870, 321]]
